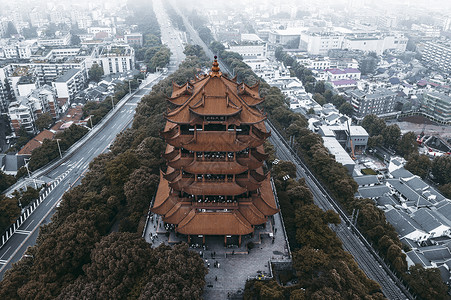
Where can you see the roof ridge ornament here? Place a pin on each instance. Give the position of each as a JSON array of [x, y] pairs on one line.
[[215, 68]]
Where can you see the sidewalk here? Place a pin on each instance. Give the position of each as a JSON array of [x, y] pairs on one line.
[[236, 264]]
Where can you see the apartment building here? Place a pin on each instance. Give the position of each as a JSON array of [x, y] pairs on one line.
[[437, 106], [438, 54], [21, 115], [70, 83], [115, 58], [62, 40], [382, 101]]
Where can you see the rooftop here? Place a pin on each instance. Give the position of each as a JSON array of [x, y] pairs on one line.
[[36, 142], [68, 75]]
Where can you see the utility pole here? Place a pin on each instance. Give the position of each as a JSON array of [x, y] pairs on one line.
[[59, 148], [90, 120], [27, 160], [112, 102]]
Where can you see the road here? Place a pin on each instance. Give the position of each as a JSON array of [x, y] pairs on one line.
[[68, 172], [169, 35], [370, 263], [194, 37]]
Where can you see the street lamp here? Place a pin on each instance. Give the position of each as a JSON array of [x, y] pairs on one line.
[[59, 148], [27, 160], [112, 103]]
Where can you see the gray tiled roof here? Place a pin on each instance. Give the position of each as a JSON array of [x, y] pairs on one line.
[[436, 252], [386, 200], [417, 184], [401, 173], [404, 189], [445, 209], [409, 243], [427, 221], [373, 191], [68, 75], [418, 258], [366, 180], [401, 221]]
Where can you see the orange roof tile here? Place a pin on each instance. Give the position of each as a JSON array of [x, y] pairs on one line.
[[36, 142], [214, 223]]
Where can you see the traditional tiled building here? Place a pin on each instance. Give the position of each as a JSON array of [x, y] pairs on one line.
[[214, 183]]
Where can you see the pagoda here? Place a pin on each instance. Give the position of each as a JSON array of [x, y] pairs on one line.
[[214, 183]]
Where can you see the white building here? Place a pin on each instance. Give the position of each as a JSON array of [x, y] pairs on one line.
[[251, 50], [21, 115], [438, 54], [375, 42], [69, 84], [62, 40], [319, 43], [109, 30], [115, 58]]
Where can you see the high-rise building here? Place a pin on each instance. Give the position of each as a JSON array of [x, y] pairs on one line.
[[381, 102], [214, 183], [438, 54], [437, 106]]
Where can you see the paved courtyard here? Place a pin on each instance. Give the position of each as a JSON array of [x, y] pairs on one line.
[[229, 267]]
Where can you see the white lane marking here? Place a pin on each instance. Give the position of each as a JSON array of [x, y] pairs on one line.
[[26, 232], [5, 252], [29, 224]]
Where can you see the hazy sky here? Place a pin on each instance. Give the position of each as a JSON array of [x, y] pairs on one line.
[[421, 6]]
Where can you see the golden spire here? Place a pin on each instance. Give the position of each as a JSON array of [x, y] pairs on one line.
[[215, 69]]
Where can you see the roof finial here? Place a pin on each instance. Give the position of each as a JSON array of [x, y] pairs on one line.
[[215, 69]]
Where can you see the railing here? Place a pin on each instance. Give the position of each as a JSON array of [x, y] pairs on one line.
[[28, 211], [273, 187], [217, 204]]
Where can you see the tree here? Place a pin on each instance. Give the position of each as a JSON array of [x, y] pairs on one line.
[[44, 121], [441, 169], [446, 190], [75, 40], [337, 100], [427, 283], [10, 29], [320, 87], [6, 181], [346, 109], [392, 135], [375, 141], [419, 164], [205, 34], [319, 99], [95, 73], [373, 125], [9, 212], [24, 137], [408, 144], [368, 65]]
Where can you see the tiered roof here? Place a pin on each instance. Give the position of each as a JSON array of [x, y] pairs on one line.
[[214, 183]]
